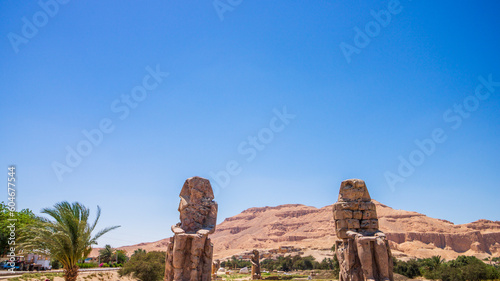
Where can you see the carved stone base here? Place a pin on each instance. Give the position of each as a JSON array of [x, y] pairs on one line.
[[350, 264], [189, 258]]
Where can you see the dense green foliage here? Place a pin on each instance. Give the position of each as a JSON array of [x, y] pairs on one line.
[[461, 269], [145, 266], [24, 218], [122, 257], [87, 265], [287, 263], [67, 238], [138, 251], [236, 263], [55, 264], [464, 268], [409, 268]]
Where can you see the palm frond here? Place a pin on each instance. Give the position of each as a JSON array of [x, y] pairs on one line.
[[67, 237]]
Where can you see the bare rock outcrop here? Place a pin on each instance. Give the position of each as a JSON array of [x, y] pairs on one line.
[[410, 234]]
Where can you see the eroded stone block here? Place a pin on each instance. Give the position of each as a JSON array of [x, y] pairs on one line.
[[362, 243]]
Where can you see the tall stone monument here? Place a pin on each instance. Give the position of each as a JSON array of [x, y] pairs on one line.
[[362, 249], [215, 268], [189, 254], [255, 265]]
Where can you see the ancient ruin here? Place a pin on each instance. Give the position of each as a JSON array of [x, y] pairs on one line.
[[189, 254], [215, 268], [362, 249], [255, 265]]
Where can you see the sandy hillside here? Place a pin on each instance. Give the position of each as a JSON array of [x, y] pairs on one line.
[[311, 229]]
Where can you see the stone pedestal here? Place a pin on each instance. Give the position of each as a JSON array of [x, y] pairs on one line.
[[215, 268], [189, 257], [350, 263]]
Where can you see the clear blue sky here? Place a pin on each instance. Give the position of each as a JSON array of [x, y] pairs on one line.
[[229, 71]]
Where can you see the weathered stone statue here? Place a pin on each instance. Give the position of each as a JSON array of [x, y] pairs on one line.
[[189, 254], [255, 265], [363, 250], [215, 267]]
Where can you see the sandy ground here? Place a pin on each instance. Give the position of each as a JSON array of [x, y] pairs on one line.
[[84, 276], [100, 276], [113, 276]]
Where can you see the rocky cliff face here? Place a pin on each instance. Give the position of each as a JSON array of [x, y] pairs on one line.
[[411, 234]]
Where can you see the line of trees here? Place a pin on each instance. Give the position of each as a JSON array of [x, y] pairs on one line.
[[461, 269], [297, 262], [464, 268], [235, 263], [287, 263]]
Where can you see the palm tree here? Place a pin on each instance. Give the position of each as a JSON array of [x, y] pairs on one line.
[[106, 253], [434, 262], [139, 251], [67, 238], [437, 260]]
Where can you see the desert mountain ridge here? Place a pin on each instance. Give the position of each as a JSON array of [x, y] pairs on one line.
[[310, 231]]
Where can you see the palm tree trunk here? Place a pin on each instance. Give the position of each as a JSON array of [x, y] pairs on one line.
[[71, 273]]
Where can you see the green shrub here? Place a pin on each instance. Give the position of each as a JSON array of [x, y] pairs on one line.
[[55, 264], [87, 265], [463, 268], [409, 269], [145, 266]]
